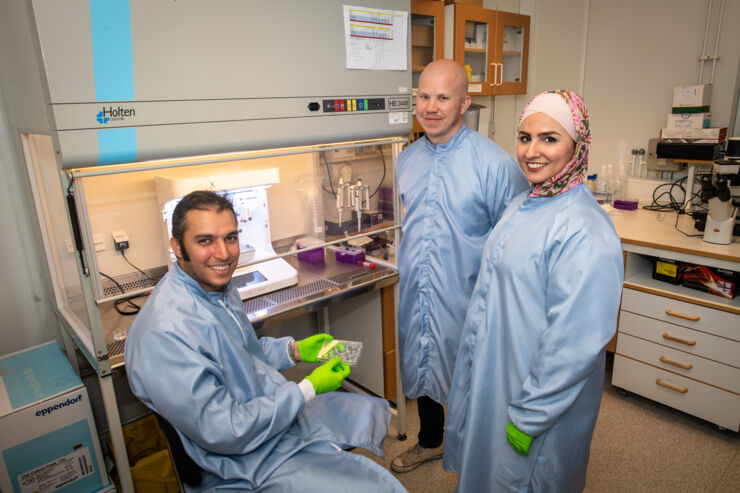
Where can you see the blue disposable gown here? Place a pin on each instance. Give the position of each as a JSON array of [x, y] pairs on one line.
[[532, 349], [193, 357], [454, 194]]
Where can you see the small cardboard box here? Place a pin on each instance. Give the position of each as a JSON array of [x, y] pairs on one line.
[[694, 135], [696, 95], [720, 282], [689, 120], [668, 270], [49, 441]]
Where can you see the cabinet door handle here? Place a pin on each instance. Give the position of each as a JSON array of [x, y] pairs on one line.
[[495, 71], [501, 74], [676, 363], [666, 335], [672, 387], [681, 315]]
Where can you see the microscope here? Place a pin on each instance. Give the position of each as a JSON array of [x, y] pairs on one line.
[[720, 222]]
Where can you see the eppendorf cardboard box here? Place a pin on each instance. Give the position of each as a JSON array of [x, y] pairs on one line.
[[48, 441]]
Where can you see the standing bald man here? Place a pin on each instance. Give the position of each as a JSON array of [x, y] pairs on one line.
[[454, 184]]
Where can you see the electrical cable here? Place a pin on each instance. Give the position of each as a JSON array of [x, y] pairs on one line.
[[132, 265], [328, 175], [383, 178], [134, 308], [673, 204], [675, 225]]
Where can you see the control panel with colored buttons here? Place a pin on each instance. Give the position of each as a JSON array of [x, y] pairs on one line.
[[338, 105]]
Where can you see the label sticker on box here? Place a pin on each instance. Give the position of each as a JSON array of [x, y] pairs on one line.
[[58, 473], [665, 269], [688, 92]]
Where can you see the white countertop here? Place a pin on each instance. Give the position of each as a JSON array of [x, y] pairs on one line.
[[643, 229]]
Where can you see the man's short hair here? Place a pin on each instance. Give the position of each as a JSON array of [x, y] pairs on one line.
[[202, 200]]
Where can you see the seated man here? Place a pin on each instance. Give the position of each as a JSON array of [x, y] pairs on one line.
[[193, 357]]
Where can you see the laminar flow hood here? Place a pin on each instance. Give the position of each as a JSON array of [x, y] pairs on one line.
[[132, 80]]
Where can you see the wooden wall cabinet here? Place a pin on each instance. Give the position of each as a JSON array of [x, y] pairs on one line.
[[427, 39], [494, 44]]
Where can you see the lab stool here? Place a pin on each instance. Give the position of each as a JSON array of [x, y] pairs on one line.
[[186, 470]]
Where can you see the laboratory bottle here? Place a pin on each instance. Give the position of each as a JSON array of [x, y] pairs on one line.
[[603, 193], [619, 181], [615, 183], [591, 182]]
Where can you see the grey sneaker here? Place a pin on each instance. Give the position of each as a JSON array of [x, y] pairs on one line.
[[414, 457]]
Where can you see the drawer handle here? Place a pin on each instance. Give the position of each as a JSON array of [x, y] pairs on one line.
[[681, 315], [675, 363], [672, 387], [666, 335]]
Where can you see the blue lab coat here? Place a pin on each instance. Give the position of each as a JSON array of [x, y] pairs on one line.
[[193, 357], [532, 349], [454, 194]]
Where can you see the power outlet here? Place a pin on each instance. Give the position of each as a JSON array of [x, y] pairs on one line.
[[120, 240], [99, 243]]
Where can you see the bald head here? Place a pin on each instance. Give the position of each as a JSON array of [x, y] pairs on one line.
[[448, 70], [441, 100]]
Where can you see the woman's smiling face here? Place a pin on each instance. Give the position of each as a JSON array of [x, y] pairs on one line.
[[543, 148]]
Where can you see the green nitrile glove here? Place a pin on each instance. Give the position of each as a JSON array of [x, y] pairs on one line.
[[518, 439], [328, 376], [309, 347]]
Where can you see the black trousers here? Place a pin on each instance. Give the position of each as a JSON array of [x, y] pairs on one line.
[[431, 422]]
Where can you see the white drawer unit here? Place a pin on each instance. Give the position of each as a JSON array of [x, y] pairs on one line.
[[686, 363], [675, 345]]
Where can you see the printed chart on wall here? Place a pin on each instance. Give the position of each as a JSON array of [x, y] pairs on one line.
[[375, 39]]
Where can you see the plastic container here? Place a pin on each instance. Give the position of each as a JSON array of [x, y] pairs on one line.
[[625, 203], [311, 256], [350, 255], [349, 351]]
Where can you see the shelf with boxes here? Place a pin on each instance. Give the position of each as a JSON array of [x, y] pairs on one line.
[[688, 136]]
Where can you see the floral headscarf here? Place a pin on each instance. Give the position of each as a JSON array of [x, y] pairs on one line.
[[574, 171]]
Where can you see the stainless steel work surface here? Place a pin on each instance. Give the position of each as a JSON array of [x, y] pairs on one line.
[[319, 285]]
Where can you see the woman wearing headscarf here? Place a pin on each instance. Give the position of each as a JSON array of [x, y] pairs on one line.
[[529, 372]]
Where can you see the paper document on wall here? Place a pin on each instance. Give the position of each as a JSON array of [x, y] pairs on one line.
[[375, 39]]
